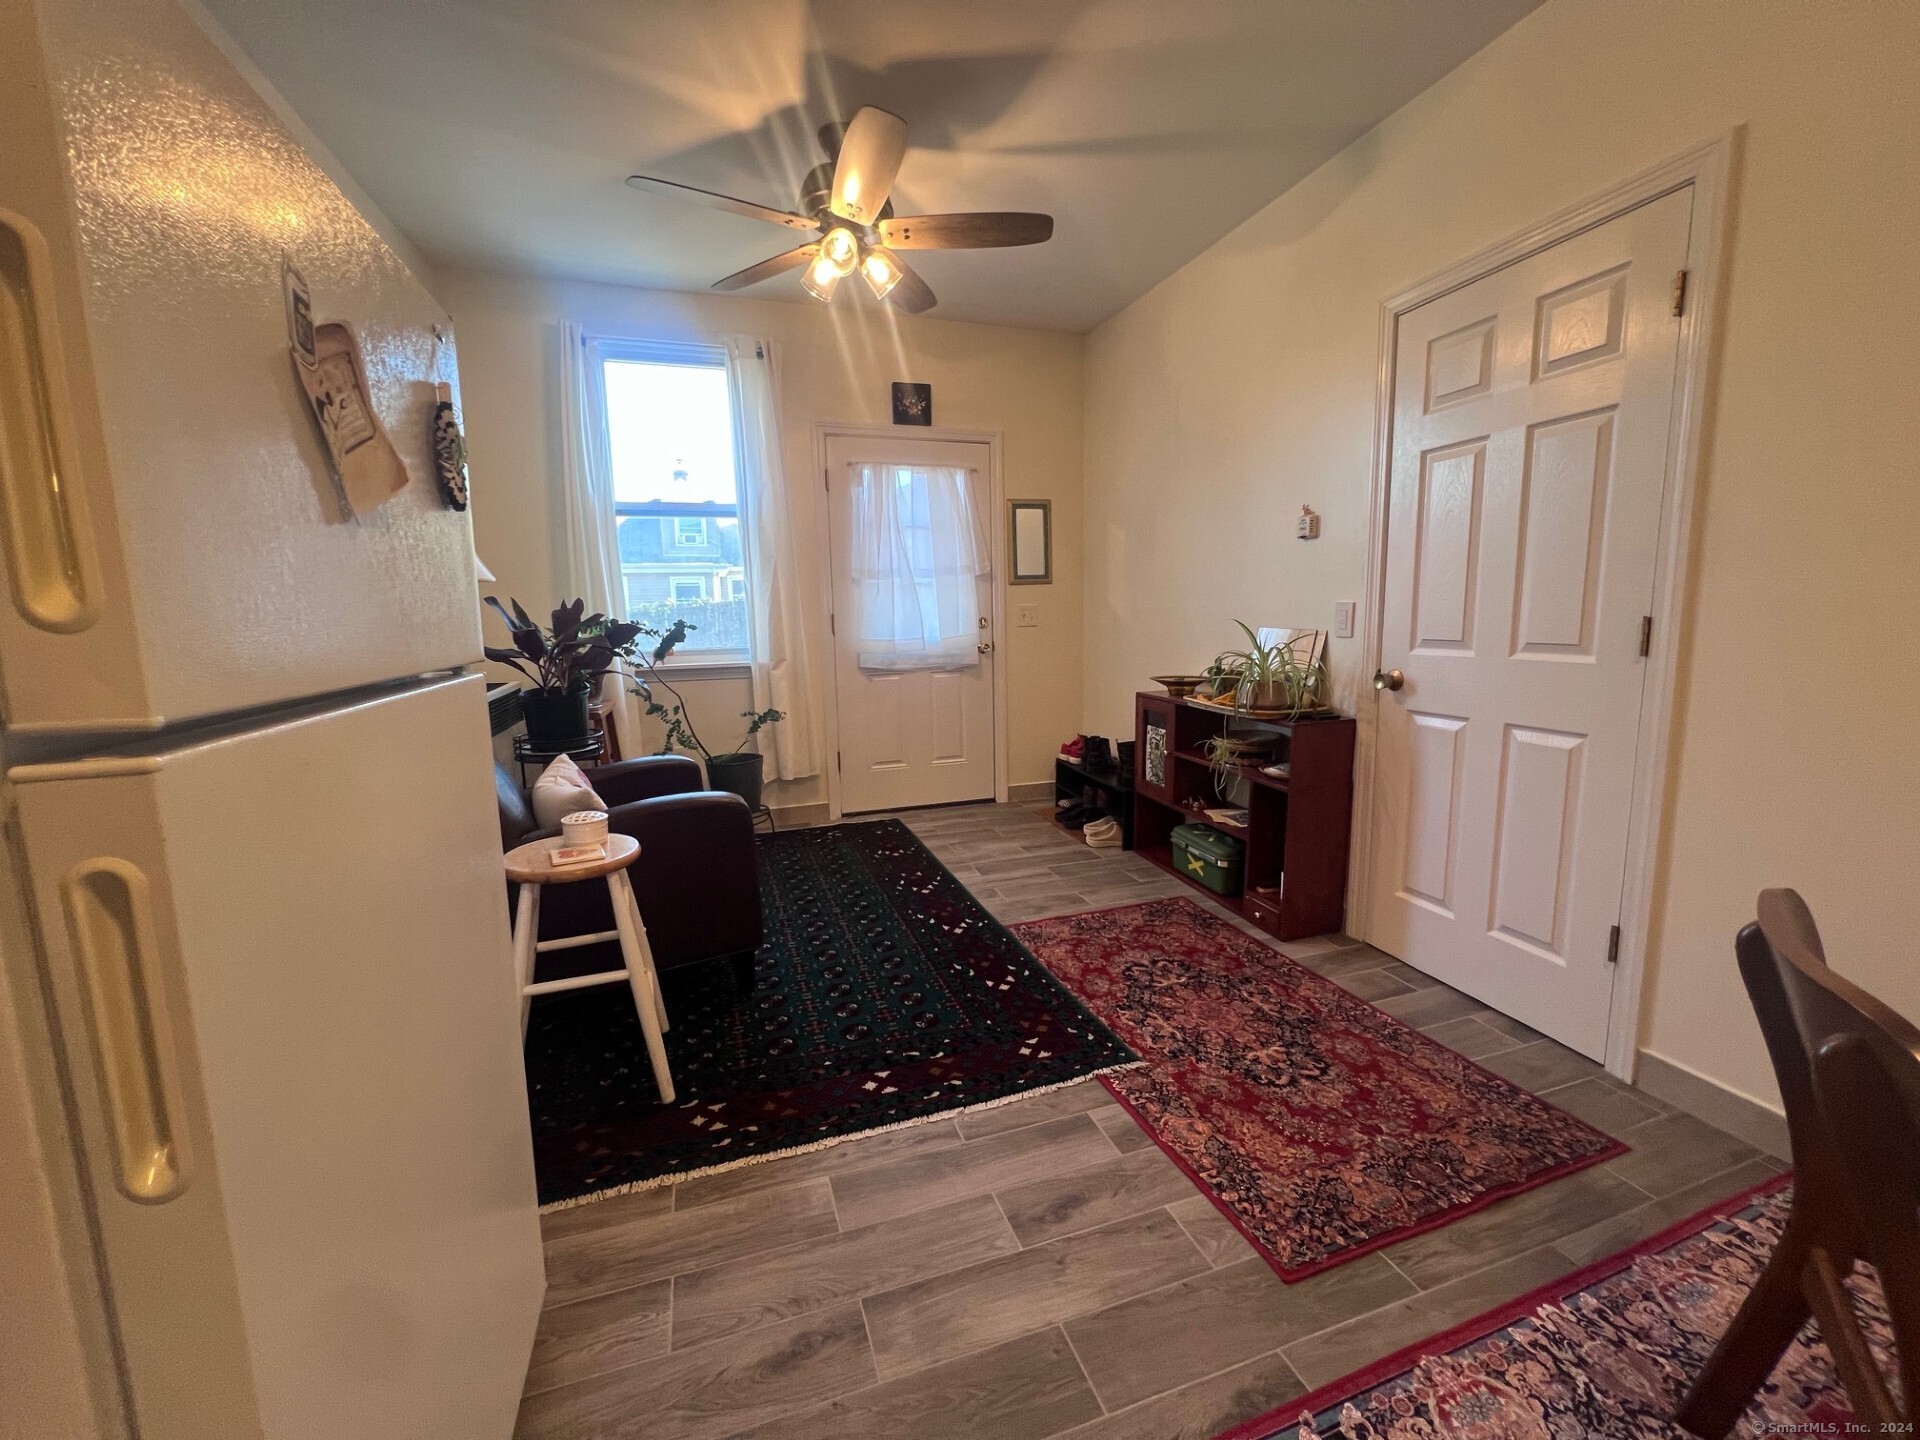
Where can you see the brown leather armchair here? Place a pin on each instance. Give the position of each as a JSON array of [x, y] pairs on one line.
[[697, 880]]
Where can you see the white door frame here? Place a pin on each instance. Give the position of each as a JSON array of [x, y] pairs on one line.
[[1707, 167], [824, 656]]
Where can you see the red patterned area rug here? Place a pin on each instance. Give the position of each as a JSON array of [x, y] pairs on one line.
[[1319, 1124], [1606, 1353]]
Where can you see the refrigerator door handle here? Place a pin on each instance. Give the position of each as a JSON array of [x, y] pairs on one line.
[[48, 541], [109, 916]]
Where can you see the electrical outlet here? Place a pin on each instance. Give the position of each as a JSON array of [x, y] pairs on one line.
[[1343, 619], [1026, 616]]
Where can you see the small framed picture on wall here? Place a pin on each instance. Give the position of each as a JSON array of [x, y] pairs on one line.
[[1031, 529], [912, 403]]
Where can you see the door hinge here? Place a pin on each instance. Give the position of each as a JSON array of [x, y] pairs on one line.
[[1679, 292], [836, 760], [1613, 946], [1646, 635], [833, 626], [826, 484]]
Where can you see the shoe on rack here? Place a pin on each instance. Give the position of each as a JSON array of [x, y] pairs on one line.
[[1103, 834], [1075, 747], [1074, 816]]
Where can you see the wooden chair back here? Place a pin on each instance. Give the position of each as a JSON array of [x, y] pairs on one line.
[[1869, 1086], [1849, 1073]]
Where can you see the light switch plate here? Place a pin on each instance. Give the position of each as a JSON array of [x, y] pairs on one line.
[[1343, 619], [1026, 616]]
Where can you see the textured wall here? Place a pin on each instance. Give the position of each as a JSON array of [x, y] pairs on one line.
[[1243, 386]]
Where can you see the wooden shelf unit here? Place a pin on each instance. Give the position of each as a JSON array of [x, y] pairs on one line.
[[1297, 828]]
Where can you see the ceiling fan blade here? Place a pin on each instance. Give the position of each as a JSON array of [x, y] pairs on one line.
[[912, 294], [767, 269], [981, 230], [720, 202], [870, 155]]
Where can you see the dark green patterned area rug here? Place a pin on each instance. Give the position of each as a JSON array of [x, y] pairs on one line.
[[883, 995]]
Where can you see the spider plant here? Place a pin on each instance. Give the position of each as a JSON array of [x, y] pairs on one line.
[[1276, 677], [1225, 755]]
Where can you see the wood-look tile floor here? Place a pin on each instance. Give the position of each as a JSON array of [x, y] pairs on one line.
[[1042, 1269]]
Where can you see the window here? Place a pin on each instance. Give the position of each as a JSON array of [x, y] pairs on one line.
[[669, 432]]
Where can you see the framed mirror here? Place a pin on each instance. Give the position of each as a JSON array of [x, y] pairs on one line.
[[1032, 532]]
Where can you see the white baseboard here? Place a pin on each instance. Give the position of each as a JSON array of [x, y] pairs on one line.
[[1753, 1121], [1037, 793]]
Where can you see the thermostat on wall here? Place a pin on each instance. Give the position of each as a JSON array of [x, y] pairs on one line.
[[1307, 527]]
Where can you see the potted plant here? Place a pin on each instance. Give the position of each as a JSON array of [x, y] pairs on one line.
[[564, 662], [1222, 677], [743, 771], [1273, 678], [1226, 754], [739, 771]]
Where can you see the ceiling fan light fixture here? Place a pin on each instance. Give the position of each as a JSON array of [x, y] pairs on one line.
[[845, 202], [821, 278], [840, 249], [883, 272]]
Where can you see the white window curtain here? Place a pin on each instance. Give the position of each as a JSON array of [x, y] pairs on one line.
[[919, 549], [774, 598], [589, 546]]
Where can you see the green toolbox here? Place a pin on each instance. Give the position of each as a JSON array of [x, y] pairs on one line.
[[1202, 853]]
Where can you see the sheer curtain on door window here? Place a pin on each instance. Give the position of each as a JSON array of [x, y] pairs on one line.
[[920, 551]]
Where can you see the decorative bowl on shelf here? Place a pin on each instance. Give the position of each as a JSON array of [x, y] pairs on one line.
[[1178, 686]]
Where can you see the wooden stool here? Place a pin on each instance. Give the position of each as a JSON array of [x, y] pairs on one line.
[[528, 867]]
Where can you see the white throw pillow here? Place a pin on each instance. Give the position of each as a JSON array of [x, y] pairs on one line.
[[562, 789]]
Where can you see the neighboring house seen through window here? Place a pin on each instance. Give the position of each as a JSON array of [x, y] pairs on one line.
[[669, 422]]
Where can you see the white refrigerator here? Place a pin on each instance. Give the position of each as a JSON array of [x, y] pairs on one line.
[[265, 1168]]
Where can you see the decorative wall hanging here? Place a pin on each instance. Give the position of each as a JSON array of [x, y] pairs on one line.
[[449, 449], [368, 468], [1032, 532], [912, 403], [1156, 755]]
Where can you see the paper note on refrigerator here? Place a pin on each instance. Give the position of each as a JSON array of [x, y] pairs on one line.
[[369, 469]]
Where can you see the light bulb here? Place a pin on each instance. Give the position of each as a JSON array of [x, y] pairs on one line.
[[821, 278], [840, 248], [883, 272]]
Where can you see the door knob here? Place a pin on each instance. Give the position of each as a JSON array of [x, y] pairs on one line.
[[984, 647], [1388, 679]]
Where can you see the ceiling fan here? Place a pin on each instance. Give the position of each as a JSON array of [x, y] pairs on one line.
[[845, 200]]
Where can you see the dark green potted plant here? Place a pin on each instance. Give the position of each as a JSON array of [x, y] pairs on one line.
[[740, 772], [564, 662], [743, 771]]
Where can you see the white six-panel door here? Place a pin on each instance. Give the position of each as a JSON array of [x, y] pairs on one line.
[[917, 737], [1531, 413]]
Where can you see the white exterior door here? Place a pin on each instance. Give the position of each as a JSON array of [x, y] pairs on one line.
[[1531, 413], [908, 737]]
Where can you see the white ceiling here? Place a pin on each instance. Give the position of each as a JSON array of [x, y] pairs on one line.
[[498, 133]]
